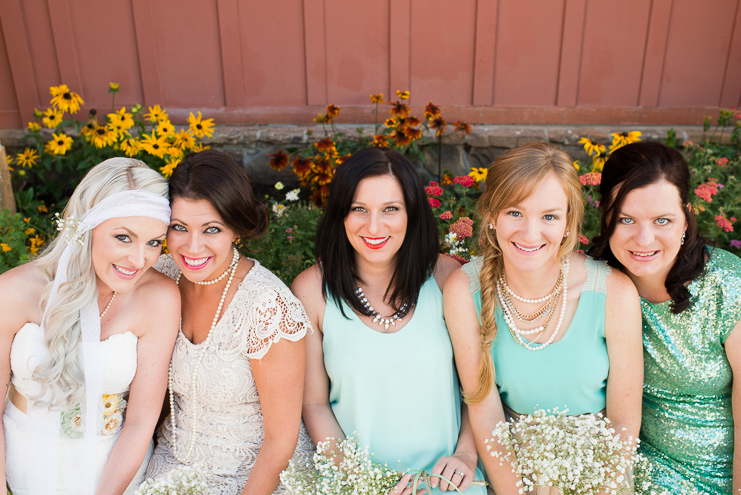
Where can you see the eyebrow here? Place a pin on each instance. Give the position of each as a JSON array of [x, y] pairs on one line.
[[664, 215], [207, 223]]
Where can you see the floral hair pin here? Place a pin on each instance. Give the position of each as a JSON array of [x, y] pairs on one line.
[[74, 228]]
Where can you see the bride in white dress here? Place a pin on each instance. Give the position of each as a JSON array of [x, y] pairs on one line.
[[237, 372], [77, 334]]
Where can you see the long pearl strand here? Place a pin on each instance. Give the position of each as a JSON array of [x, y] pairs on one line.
[[204, 348], [516, 332], [235, 260], [109, 304]]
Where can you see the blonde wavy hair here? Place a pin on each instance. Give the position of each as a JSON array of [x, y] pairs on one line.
[[512, 178], [61, 376]]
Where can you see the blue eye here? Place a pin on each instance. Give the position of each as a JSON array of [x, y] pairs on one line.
[[550, 217], [515, 214], [123, 238], [662, 221], [155, 243], [212, 230], [178, 228], [626, 220]]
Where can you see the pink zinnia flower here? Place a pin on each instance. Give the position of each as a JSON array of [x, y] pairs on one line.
[[707, 191], [463, 227], [434, 190], [446, 215], [434, 203], [723, 162], [583, 239], [591, 179], [724, 223], [464, 180]]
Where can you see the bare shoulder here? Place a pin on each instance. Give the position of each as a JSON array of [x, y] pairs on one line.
[[458, 282], [620, 287], [20, 293], [308, 283], [157, 294], [443, 268]]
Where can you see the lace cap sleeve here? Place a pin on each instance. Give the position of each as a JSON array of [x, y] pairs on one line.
[[275, 314], [167, 266]]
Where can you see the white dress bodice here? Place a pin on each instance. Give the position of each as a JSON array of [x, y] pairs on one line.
[[229, 421], [119, 359]]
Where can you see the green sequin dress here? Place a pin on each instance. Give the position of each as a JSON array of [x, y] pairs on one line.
[[687, 428]]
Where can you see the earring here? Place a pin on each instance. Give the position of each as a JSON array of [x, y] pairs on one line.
[[681, 242], [491, 227], [567, 234]]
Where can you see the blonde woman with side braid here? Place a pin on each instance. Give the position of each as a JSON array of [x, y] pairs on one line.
[[535, 325]]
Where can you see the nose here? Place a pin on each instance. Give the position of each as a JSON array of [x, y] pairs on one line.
[[194, 244], [644, 236], [374, 223], [530, 232], [136, 256]]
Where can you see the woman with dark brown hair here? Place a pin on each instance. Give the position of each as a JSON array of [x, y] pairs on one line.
[[691, 306], [237, 372]]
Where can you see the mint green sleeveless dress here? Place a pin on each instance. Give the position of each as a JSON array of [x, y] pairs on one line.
[[687, 429], [399, 391], [568, 374]]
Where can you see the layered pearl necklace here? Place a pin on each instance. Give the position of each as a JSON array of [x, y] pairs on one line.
[[510, 311], [204, 347], [391, 320]]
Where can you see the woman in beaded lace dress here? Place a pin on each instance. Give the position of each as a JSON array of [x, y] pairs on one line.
[[76, 337], [236, 376], [691, 305], [535, 325]]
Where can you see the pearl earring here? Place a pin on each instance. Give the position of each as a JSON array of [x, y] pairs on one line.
[[681, 242], [567, 234], [491, 227]]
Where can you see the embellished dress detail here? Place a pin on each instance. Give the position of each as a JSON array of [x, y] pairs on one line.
[[230, 428], [687, 427], [398, 390], [119, 358]]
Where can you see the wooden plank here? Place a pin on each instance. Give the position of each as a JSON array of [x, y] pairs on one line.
[[19, 57], [64, 42], [316, 52], [400, 49], [231, 52], [571, 51], [485, 51], [146, 43], [653, 58], [7, 200], [730, 95]]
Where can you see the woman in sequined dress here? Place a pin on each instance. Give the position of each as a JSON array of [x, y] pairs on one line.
[[691, 305]]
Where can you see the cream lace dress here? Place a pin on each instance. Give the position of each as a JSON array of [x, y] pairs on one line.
[[230, 429]]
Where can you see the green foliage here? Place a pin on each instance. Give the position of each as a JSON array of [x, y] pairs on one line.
[[13, 250]]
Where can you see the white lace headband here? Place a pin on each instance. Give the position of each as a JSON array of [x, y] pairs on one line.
[[43, 431]]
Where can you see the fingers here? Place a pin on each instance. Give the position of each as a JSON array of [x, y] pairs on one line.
[[403, 487], [454, 470]]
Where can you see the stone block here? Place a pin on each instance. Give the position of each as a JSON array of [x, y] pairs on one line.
[[453, 159]]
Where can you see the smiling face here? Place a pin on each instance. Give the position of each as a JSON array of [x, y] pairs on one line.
[[124, 248], [377, 221], [649, 229], [199, 240], [530, 233]]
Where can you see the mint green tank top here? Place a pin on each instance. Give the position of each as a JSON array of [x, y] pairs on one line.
[[399, 390], [568, 374]]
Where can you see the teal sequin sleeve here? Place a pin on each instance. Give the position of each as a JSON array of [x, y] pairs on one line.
[[687, 426]]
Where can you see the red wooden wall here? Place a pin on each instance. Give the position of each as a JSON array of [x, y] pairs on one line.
[[281, 61]]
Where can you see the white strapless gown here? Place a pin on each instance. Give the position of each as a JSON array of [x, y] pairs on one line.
[[119, 360]]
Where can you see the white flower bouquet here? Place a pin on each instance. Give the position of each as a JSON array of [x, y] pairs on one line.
[[346, 469], [576, 454], [184, 480]]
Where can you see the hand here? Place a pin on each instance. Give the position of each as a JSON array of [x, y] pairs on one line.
[[401, 487], [460, 469]]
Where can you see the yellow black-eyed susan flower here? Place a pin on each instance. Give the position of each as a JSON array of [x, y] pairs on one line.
[[34, 127], [620, 139], [130, 146], [113, 88], [154, 145], [322, 119], [59, 144], [478, 174], [592, 147], [102, 137], [403, 95], [431, 111], [376, 98], [165, 128], [438, 123], [156, 114], [399, 109], [169, 167], [27, 157], [52, 118], [199, 147], [390, 123], [380, 141], [122, 119], [184, 139], [64, 99], [201, 127]]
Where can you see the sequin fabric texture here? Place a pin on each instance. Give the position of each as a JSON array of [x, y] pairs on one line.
[[687, 428]]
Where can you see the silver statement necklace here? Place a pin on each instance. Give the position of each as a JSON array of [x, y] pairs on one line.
[[391, 320], [204, 345]]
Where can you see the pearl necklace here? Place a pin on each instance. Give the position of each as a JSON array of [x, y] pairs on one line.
[[516, 332], [109, 304], [235, 259], [391, 320], [231, 270], [534, 301], [545, 309]]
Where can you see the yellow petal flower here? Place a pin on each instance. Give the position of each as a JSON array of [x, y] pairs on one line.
[[34, 127], [59, 144], [199, 127], [156, 114], [53, 118], [65, 100], [5, 247]]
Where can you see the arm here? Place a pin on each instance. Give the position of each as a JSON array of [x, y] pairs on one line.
[[463, 325], [279, 377], [20, 292], [623, 333], [733, 353], [148, 389]]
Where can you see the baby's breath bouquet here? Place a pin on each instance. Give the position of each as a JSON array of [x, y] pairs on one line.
[[576, 454], [185, 480], [346, 469]]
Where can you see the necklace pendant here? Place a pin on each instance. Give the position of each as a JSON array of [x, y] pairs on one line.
[[377, 317], [387, 325], [393, 322]]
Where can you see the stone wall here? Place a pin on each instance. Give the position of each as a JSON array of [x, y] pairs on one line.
[[250, 145]]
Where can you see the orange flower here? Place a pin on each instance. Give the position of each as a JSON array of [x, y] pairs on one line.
[[400, 137], [431, 111], [325, 144], [322, 166], [376, 98], [322, 119], [463, 127], [404, 95], [278, 160], [302, 166], [341, 159], [333, 111], [413, 121], [399, 109], [413, 133], [439, 124], [380, 141]]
